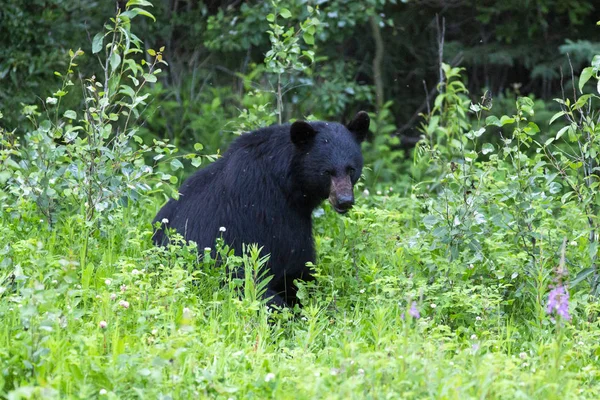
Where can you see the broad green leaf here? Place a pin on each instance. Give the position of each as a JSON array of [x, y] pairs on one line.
[[285, 13], [198, 146], [271, 17], [487, 148], [505, 120], [582, 275], [142, 3], [585, 76], [176, 164], [562, 131], [308, 38], [150, 78], [556, 116], [70, 114], [145, 13], [97, 43], [493, 120], [531, 129], [596, 63], [115, 60]]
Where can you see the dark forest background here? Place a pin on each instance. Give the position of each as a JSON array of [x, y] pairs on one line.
[[368, 55]]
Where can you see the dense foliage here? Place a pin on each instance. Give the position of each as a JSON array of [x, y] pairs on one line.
[[468, 268]]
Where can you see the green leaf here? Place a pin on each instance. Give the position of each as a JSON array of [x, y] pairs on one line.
[[308, 38], [176, 164], [97, 43], [271, 17], [556, 116], [285, 13], [562, 131], [584, 273], [198, 146], [487, 148], [531, 129], [145, 13], [150, 78], [70, 114], [142, 3], [585, 76], [115, 60], [505, 120], [581, 101], [596, 63], [493, 120], [196, 161]]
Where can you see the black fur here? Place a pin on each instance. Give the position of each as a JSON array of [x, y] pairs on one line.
[[264, 189]]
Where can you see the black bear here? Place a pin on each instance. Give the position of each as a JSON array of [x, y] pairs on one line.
[[264, 190]]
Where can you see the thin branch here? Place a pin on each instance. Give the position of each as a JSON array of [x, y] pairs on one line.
[[441, 33], [377, 60], [427, 97]]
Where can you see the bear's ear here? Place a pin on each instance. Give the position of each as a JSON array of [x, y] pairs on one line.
[[302, 133], [359, 125]]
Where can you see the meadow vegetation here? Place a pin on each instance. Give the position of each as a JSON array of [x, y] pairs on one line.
[[465, 270]]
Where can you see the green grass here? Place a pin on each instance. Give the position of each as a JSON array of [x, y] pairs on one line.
[[186, 335]]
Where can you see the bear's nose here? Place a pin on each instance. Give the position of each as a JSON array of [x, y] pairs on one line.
[[344, 203]]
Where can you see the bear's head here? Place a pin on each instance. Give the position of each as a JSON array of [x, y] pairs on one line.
[[328, 159]]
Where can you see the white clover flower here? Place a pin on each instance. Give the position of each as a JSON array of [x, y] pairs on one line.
[[123, 288], [269, 377], [135, 272], [113, 296], [103, 392], [433, 305], [522, 355], [473, 337], [222, 229], [478, 318], [124, 303], [154, 331], [362, 290], [366, 193], [107, 282], [103, 324], [165, 221], [379, 193]]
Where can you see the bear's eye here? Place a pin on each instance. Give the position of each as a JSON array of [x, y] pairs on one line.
[[350, 170], [327, 173]]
